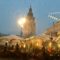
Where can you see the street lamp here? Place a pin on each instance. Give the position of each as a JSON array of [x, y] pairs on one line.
[[21, 22]]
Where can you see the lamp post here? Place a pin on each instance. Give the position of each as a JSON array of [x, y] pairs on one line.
[[21, 22]]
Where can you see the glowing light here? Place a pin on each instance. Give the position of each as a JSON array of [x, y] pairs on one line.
[[50, 44], [21, 22], [24, 46], [59, 45], [37, 44], [53, 17]]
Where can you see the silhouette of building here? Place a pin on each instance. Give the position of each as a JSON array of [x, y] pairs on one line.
[[30, 25]]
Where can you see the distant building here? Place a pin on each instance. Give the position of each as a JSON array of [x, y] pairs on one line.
[[30, 25]]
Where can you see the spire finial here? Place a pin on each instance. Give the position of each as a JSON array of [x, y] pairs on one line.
[[30, 10], [30, 3], [30, 6]]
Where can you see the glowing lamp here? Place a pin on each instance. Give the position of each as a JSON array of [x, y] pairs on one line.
[[21, 22]]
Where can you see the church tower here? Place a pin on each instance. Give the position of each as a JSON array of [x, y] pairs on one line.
[[30, 25]]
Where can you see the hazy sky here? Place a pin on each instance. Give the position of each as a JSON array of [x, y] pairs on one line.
[[10, 10]]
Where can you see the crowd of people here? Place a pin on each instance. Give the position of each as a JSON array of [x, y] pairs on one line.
[[45, 53]]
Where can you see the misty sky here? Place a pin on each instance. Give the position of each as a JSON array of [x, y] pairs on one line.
[[10, 10]]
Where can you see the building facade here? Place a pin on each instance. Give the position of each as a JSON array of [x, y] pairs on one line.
[[30, 25]]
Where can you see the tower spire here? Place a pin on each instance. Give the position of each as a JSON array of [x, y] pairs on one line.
[[30, 13], [30, 25]]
